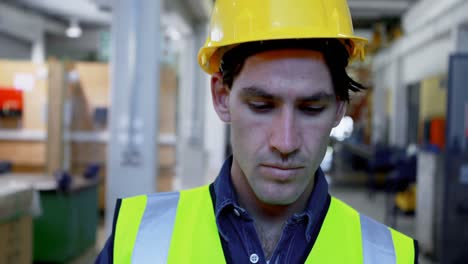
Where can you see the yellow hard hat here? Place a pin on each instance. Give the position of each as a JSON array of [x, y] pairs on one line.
[[238, 21]]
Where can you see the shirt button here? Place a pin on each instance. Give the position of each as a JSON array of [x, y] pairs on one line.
[[254, 258], [236, 212]]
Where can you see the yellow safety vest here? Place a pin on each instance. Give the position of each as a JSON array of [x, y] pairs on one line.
[[180, 227]]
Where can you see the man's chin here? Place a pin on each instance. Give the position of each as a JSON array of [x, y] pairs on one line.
[[278, 197]]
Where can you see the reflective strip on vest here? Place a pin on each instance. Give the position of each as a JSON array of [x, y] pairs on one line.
[[156, 228], [377, 243]]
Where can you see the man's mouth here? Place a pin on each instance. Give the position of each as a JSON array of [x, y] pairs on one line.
[[282, 167], [280, 172]]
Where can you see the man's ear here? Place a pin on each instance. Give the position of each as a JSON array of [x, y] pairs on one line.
[[340, 111], [220, 95]]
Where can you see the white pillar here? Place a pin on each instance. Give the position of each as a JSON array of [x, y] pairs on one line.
[[400, 111], [379, 107], [38, 49], [192, 157], [215, 130], [186, 92], [462, 38], [132, 159]]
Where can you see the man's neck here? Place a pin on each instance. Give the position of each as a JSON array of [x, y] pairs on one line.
[[269, 218]]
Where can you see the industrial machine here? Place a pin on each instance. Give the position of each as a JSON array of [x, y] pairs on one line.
[[452, 227]]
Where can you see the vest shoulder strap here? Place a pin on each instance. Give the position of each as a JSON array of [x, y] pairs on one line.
[[339, 238], [166, 228], [196, 238], [156, 228], [126, 227]]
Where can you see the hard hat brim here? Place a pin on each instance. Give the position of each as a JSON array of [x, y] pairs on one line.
[[210, 55]]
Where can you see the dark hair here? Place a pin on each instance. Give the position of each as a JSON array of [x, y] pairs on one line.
[[335, 54]]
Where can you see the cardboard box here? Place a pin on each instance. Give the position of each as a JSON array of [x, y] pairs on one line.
[[165, 180], [16, 241], [15, 222]]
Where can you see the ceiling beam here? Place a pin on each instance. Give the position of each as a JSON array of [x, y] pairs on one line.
[[201, 9], [374, 14], [383, 5], [104, 4], [426, 10], [25, 25], [84, 11]]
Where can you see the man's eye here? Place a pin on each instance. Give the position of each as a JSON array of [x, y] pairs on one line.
[[260, 106], [312, 110]]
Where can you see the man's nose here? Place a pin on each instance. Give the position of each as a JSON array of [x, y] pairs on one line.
[[284, 134]]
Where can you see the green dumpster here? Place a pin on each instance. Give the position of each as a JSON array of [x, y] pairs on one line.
[[66, 227]]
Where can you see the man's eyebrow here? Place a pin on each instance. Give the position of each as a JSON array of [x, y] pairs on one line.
[[322, 96], [253, 91]]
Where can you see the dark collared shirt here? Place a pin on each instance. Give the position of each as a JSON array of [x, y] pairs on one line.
[[237, 231]]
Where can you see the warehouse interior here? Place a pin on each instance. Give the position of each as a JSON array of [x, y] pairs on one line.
[[104, 99]]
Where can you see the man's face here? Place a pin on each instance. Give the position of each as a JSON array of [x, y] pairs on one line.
[[281, 108]]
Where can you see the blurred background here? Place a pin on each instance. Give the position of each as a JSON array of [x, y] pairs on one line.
[[103, 99]]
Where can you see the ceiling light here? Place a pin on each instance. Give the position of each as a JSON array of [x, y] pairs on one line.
[[74, 30], [173, 33]]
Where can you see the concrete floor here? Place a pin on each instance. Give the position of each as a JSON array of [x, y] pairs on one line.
[[90, 255]]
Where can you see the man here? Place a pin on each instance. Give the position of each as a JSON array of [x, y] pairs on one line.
[[279, 79]]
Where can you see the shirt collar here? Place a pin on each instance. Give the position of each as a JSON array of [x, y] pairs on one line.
[[226, 198], [316, 205], [224, 189]]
